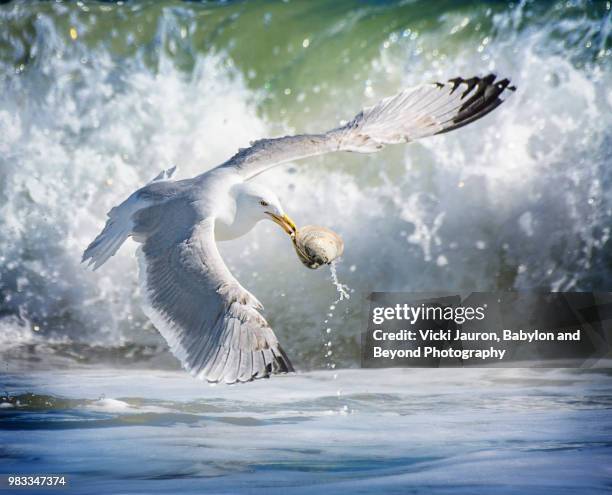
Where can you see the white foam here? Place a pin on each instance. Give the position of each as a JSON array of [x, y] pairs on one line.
[[121, 407], [82, 149]]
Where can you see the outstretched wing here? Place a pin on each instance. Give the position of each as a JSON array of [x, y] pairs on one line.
[[211, 323], [414, 113]]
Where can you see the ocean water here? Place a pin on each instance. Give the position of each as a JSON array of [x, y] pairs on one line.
[[97, 98], [405, 431]]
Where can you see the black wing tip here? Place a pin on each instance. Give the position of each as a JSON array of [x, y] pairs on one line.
[[482, 95], [282, 361]]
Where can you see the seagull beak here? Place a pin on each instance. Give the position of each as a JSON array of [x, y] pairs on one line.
[[285, 222]]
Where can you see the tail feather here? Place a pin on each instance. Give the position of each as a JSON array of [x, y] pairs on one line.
[[107, 243], [120, 224], [118, 228]]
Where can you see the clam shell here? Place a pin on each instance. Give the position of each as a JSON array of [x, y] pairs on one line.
[[316, 246]]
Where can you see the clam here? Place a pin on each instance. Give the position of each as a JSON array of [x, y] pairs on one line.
[[316, 246]]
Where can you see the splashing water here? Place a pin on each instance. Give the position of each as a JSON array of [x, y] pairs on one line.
[[342, 289]]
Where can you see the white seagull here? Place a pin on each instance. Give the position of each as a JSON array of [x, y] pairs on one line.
[[211, 323]]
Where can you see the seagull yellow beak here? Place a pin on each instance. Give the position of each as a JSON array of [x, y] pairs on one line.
[[285, 222]]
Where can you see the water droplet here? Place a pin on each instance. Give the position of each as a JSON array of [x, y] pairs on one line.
[[442, 261]]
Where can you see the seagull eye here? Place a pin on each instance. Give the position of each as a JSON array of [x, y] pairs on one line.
[[263, 203]]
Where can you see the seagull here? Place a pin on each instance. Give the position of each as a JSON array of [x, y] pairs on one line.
[[212, 324]]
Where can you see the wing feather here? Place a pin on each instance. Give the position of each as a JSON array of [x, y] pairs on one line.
[[413, 114], [211, 323]]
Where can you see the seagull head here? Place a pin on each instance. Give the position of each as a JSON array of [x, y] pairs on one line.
[[265, 205]]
